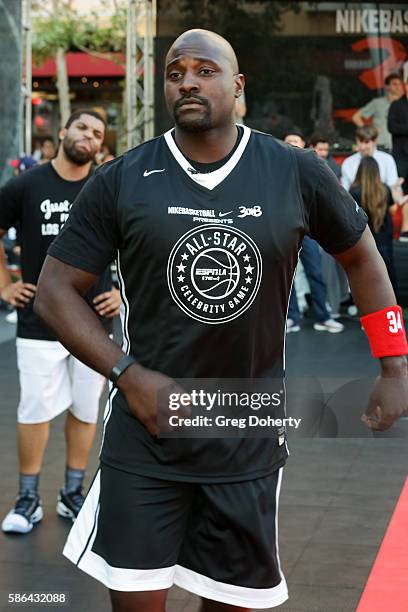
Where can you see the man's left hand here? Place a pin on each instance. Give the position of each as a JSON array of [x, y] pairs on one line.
[[389, 398], [108, 304]]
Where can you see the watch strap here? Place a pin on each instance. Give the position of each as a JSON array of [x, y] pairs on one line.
[[122, 365]]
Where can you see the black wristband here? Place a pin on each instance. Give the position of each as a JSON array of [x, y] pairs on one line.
[[120, 367]]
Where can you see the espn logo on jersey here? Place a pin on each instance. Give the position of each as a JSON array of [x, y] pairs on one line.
[[214, 274]]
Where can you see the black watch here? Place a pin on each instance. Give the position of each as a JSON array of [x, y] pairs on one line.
[[122, 365]]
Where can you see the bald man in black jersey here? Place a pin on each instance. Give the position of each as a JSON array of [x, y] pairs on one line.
[[205, 222]]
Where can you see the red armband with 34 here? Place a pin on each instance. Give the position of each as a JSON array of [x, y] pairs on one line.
[[385, 332]]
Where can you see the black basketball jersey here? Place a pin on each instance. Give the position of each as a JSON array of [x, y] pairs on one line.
[[39, 201], [206, 263]]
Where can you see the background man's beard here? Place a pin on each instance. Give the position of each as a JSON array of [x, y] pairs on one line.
[[80, 158]]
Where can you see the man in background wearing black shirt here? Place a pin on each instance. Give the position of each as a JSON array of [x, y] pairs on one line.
[[205, 222], [50, 379], [398, 127]]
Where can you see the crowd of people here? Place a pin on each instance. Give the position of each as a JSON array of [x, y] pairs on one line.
[[376, 175]]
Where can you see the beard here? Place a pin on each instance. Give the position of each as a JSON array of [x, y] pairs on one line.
[[77, 156], [193, 122]]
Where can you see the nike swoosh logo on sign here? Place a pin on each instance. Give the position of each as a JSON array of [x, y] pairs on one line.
[[224, 214], [146, 173]]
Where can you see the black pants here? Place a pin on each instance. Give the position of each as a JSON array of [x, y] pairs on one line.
[[402, 167]]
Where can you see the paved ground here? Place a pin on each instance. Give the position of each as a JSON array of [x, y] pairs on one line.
[[336, 502]]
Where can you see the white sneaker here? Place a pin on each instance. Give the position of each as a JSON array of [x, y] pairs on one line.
[[25, 514], [334, 327], [291, 326]]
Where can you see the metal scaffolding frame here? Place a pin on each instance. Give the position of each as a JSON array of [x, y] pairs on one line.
[[141, 30], [26, 85]]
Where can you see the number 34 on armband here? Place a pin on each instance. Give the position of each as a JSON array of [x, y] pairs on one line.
[[395, 322]]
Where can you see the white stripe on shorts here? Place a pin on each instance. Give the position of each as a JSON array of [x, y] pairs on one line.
[[78, 550], [230, 593]]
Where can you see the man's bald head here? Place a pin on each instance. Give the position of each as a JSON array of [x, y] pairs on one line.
[[206, 41], [202, 81]]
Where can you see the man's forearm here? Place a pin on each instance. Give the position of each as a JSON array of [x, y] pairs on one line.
[[357, 119], [75, 324], [370, 285], [362, 280], [372, 291]]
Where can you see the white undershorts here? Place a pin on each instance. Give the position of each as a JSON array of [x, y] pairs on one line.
[[52, 380]]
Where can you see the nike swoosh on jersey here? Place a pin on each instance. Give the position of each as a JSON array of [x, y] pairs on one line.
[[224, 214], [148, 172]]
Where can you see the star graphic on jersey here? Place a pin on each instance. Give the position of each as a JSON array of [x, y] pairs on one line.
[[180, 278], [248, 269], [247, 257], [184, 256], [181, 267], [248, 280]]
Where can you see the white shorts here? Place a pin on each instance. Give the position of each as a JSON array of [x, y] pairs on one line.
[[52, 380]]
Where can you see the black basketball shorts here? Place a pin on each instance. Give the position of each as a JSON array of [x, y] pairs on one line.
[[219, 541]]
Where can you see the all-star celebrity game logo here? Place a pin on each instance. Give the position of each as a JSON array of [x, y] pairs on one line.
[[214, 274]]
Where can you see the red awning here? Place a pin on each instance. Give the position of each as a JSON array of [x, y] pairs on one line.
[[83, 64]]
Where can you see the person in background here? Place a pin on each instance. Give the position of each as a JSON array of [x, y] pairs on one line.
[[295, 138], [23, 163], [105, 155], [51, 380], [398, 126], [311, 260], [366, 141], [366, 138], [36, 154], [20, 165], [48, 151], [321, 146], [12, 253], [377, 110], [333, 274], [376, 199]]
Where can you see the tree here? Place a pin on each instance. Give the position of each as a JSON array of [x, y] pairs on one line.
[[240, 21], [58, 28]]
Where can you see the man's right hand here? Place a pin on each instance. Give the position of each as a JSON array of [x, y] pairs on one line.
[[147, 393], [18, 294]]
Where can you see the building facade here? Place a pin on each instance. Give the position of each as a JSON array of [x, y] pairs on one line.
[[307, 64]]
